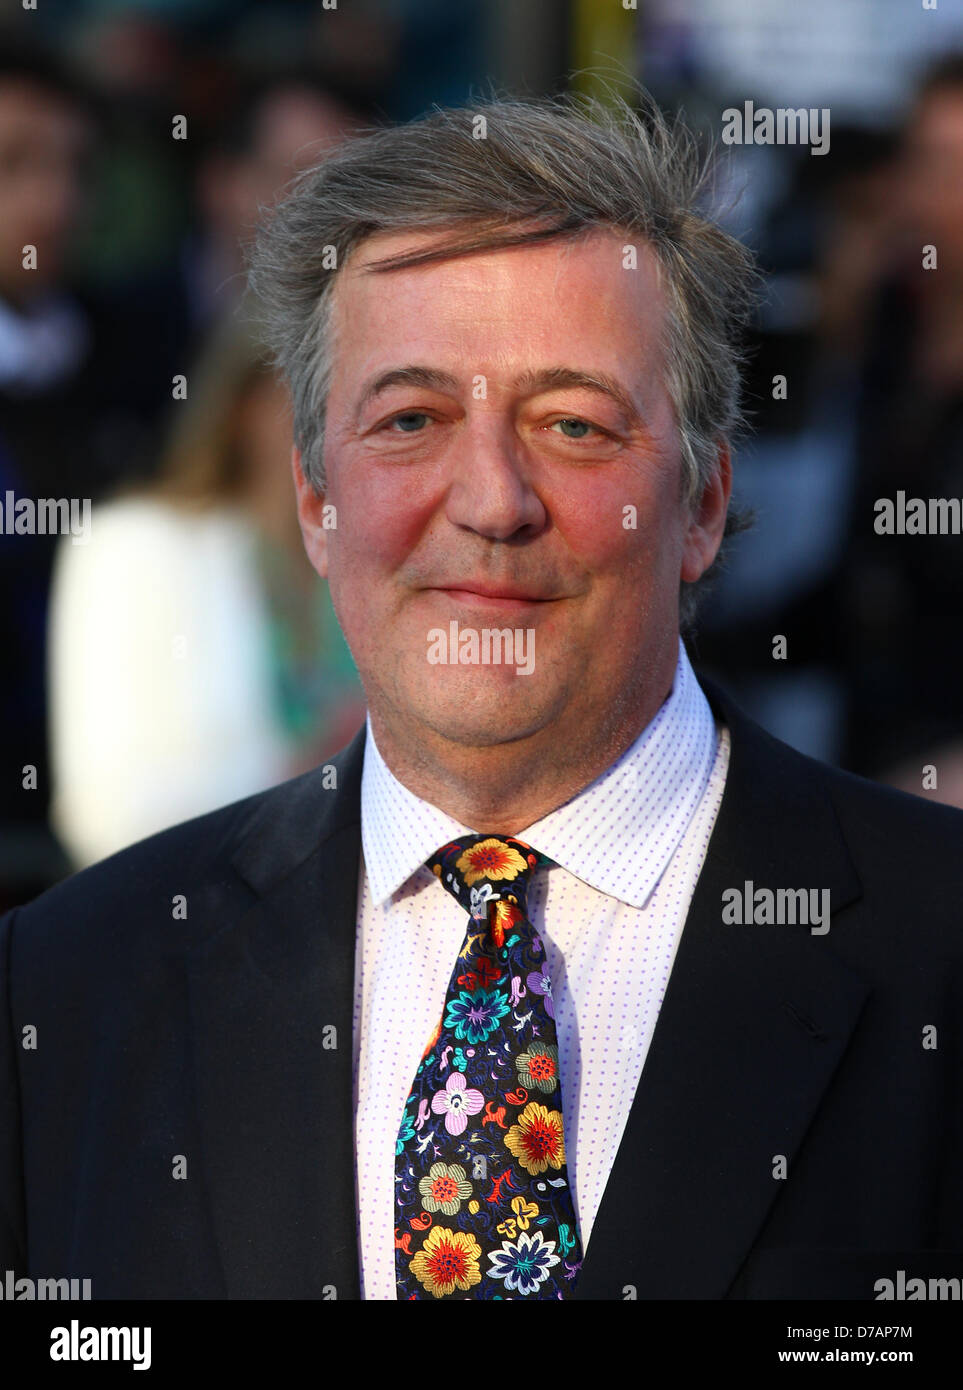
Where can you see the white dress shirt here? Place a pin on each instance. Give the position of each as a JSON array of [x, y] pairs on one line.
[[628, 850]]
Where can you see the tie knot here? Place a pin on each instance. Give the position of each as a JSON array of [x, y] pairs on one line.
[[478, 869]]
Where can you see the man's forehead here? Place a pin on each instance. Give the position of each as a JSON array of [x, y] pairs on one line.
[[612, 283], [605, 330]]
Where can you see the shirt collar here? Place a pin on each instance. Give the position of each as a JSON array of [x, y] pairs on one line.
[[618, 834]]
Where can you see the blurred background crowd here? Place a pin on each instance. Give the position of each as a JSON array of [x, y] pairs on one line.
[[186, 654]]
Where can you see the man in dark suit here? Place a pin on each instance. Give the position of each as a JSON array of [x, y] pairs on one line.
[[510, 341]]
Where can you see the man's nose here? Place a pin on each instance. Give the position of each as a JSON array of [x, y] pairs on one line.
[[491, 488]]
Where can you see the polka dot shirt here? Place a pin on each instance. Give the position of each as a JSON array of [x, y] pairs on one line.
[[628, 850]]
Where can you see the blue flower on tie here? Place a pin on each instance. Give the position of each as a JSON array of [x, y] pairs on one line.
[[524, 1263], [475, 1016]]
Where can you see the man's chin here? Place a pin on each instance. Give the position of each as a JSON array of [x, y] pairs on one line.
[[483, 719]]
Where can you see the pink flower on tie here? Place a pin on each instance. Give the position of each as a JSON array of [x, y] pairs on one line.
[[456, 1102]]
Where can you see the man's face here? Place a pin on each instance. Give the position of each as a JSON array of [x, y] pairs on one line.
[[43, 145], [459, 457]]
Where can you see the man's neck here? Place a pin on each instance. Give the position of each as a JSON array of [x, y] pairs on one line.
[[506, 787]]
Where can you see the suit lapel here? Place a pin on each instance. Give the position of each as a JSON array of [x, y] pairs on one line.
[[271, 1004], [753, 1025]]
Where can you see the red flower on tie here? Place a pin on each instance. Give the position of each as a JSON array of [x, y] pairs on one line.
[[488, 972], [536, 1140], [447, 1261]]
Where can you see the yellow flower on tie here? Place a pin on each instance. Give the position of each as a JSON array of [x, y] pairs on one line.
[[490, 859], [447, 1261], [526, 1212], [536, 1140]]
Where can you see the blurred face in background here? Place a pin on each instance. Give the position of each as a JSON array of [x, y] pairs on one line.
[[933, 175], [293, 128], [44, 145]]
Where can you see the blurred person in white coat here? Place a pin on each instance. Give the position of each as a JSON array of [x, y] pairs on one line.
[[193, 656]]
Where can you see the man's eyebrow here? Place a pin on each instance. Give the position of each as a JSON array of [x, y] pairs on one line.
[[531, 382], [429, 377], [560, 378]]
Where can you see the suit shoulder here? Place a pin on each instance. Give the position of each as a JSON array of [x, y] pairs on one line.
[[893, 831], [138, 882], [122, 928], [893, 838], [877, 813], [861, 805], [220, 860]]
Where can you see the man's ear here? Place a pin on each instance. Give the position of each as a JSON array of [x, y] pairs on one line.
[[311, 516], [706, 527]]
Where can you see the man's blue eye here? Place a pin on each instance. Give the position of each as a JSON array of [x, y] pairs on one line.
[[405, 421], [581, 425]]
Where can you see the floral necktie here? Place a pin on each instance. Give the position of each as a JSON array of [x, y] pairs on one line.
[[482, 1198]]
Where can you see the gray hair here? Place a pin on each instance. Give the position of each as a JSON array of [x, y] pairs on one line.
[[507, 172]]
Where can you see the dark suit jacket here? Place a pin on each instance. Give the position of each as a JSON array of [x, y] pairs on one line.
[[203, 1035]]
